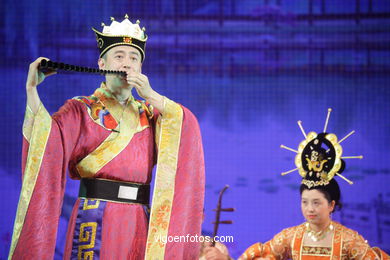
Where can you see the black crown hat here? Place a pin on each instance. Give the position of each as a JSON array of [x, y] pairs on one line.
[[123, 33]]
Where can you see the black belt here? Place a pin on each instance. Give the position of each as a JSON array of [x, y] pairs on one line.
[[114, 191]]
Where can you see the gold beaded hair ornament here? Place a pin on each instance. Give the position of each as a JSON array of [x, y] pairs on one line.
[[319, 157]]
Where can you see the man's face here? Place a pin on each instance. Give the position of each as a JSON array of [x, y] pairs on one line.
[[123, 58]]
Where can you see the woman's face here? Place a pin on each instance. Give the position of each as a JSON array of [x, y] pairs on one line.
[[315, 207]]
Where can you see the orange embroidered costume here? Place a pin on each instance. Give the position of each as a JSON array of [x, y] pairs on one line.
[[318, 160], [288, 244]]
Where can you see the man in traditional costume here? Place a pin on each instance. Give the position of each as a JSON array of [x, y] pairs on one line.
[[318, 160], [111, 142]]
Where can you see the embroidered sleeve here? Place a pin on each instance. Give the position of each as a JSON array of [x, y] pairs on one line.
[[380, 253], [356, 247], [277, 248]]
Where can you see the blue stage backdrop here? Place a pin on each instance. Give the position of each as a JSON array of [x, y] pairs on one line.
[[249, 70]]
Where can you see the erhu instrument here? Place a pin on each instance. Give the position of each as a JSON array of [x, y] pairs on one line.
[[218, 214], [55, 66]]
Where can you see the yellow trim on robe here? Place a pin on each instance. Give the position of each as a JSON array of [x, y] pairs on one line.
[[168, 150], [40, 131], [28, 123], [128, 125]]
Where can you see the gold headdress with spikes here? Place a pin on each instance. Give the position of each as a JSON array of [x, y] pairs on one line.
[[319, 157]]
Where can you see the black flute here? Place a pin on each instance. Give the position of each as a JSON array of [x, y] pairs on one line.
[[51, 65]]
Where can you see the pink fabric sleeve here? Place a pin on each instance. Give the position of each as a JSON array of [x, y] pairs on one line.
[[187, 209], [38, 234]]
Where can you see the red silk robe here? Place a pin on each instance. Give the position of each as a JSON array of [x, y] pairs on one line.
[[95, 137], [288, 244]]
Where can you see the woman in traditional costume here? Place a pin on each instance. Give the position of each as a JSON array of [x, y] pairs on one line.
[[318, 161]]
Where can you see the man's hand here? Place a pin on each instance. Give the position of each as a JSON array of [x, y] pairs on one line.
[[35, 76], [141, 83]]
